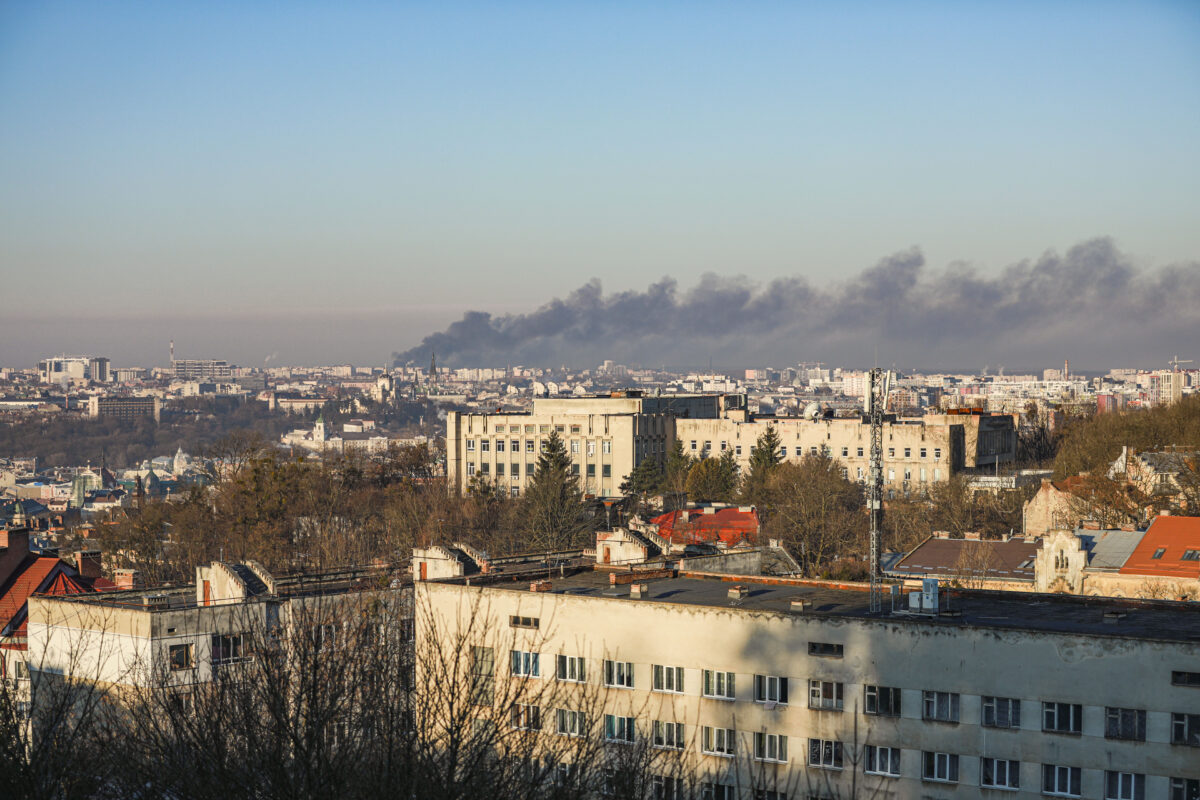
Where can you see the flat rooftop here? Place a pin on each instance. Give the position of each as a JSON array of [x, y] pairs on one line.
[[1050, 613]]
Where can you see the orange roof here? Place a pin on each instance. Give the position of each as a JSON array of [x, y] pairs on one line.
[[1162, 549], [729, 525], [37, 574]]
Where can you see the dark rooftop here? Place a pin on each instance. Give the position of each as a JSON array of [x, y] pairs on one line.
[[1024, 611]]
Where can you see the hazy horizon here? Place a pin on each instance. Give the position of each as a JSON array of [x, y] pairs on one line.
[[337, 184]]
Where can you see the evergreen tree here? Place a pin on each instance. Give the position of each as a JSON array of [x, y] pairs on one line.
[[556, 516], [764, 458], [713, 480], [645, 479], [675, 474]]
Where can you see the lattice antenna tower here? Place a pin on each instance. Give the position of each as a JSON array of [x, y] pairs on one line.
[[877, 392]]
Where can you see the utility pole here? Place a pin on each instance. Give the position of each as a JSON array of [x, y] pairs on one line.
[[876, 402]]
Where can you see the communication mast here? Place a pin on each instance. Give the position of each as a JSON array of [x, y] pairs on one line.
[[878, 382]]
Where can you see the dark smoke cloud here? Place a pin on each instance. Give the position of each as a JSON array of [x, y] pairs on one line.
[[1090, 305]]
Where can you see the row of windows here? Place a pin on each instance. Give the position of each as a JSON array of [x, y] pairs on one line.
[[773, 690], [485, 468], [817, 450], [531, 446]]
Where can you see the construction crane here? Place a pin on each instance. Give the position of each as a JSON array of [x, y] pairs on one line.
[[1176, 361], [878, 383]]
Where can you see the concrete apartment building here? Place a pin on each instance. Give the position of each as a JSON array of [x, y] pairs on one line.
[[210, 369], [124, 407], [777, 688], [608, 436], [187, 633]]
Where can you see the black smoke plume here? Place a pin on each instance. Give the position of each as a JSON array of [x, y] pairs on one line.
[[1090, 305]]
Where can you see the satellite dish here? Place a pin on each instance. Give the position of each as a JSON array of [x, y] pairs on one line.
[[812, 410]]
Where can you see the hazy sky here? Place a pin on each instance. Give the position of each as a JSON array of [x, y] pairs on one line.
[[332, 182]]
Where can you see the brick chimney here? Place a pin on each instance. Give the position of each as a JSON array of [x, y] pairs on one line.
[[14, 547], [128, 579], [88, 563]]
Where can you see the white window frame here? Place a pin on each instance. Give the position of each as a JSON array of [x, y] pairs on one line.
[[1005, 712], [570, 723], [1124, 785], [1061, 775], [1005, 773], [718, 685], [1055, 714], [826, 695], [882, 761], [525, 664], [769, 689], [944, 767], [571, 669], [666, 679], [618, 674], [770, 747], [667, 735], [718, 741], [525, 717], [939, 706], [622, 730], [873, 695], [826, 754]]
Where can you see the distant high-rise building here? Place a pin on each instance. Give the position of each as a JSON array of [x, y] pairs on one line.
[[1166, 387], [73, 368], [201, 369]]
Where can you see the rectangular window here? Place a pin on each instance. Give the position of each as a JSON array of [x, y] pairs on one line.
[[570, 668], [845, 452], [1125, 723], [570, 723], [718, 684], [665, 787], [619, 729], [499, 445], [618, 674], [500, 470], [470, 445], [718, 741], [181, 657], [482, 670], [1185, 788], [529, 445], [922, 452], [1061, 781], [883, 701], [226, 648], [717, 791], [485, 468], [524, 622], [1001, 712], [937, 452], [575, 447], [516, 491], [770, 747], [1190, 555], [999, 773], [1185, 729], [1124, 786], [470, 469], [1062, 717], [606, 471], [667, 679], [525, 664], [485, 446], [591, 470], [860, 452], [606, 447], [516, 445], [940, 706], [826, 695], [882, 761], [693, 445], [827, 649], [770, 689], [825, 753], [576, 429], [668, 735], [891, 452], [526, 717], [1185, 678], [783, 451], [908, 452], [737, 451], [940, 767]]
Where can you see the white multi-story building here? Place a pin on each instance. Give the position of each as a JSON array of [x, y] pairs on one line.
[[776, 688]]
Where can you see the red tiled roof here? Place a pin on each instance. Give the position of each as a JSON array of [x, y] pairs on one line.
[[729, 525], [1174, 536], [37, 574]]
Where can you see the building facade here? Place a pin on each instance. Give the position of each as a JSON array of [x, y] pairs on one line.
[[790, 689]]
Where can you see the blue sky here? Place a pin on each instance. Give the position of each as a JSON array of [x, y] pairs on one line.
[[332, 181]]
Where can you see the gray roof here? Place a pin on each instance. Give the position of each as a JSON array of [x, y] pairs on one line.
[[1109, 549], [1168, 461]]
